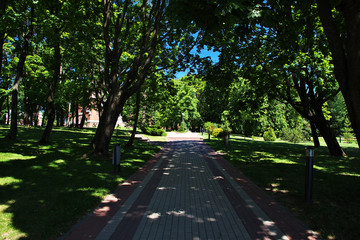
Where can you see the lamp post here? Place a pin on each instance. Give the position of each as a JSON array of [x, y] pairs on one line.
[[309, 174]]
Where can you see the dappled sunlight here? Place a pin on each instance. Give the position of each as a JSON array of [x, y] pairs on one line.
[[279, 168], [57, 178]]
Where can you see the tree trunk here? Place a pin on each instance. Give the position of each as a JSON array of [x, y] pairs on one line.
[[62, 117], [77, 116], [112, 109], [329, 137], [28, 112], [50, 100], [345, 49], [83, 117], [8, 110], [326, 132], [314, 135], [2, 118], [132, 137]]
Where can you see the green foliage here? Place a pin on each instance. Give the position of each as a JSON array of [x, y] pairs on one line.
[[182, 128], [348, 135], [294, 135], [269, 135], [154, 131], [218, 132], [209, 127]]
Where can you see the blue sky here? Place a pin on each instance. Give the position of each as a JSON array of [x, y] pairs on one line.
[[204, 53]]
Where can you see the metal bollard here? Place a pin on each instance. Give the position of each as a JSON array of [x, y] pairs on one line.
[[116, 158], [309, 174], [227, 142]]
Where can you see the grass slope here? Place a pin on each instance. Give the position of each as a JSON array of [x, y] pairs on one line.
[[45, 189], [279, 168]]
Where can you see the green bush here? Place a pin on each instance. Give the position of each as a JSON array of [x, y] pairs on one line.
[[182, 128], [154, 131], [349, 137], [218, 132], [209, 127], [269, 135], [293, 135]]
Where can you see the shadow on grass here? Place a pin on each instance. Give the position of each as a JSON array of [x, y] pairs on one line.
[[279, 168], [47, 188]]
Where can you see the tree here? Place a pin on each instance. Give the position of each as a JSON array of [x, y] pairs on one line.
[[293, 58], [127, 28], [342, 28], [27, 19]]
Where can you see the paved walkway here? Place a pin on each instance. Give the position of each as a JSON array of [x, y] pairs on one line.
[[187, 191]]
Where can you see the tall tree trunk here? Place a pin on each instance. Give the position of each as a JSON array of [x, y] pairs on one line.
[[132, 137], [83, 117], [62, 117], [77, 116], [28, 112], [2, 118], [43, 118], [3, 6], [314, 134], [345, 49], [8, 110], [51, 98], [19, 73]]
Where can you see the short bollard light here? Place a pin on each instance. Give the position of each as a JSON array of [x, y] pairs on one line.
[[116, 158], [309, 174], [227, 142]]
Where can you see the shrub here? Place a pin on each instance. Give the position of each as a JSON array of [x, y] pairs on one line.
[[182, 128], [293, 135], [269, 135], [209, 127], [349, 137], [218, 132], [154, 131]]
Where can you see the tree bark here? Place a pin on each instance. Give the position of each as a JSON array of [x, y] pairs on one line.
[[50, 100], [326, 132], [136, 120], [76, 116], [113, 108], [345, 49], [314, 135]]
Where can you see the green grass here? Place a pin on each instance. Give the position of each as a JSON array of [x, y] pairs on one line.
[[279, 168], [45, 189]]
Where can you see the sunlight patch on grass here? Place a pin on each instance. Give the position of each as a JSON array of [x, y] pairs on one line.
[[57, 163], [4, 157], [9, 180], [350, 174], [8, 231]]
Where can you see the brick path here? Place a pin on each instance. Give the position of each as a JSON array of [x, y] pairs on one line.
[[189, 192]]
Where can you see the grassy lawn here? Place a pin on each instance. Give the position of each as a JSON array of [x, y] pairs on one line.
[[45, 189], [279, 168]]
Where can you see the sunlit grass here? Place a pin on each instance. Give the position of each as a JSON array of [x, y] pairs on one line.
[[279, 168], [45, 189]]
